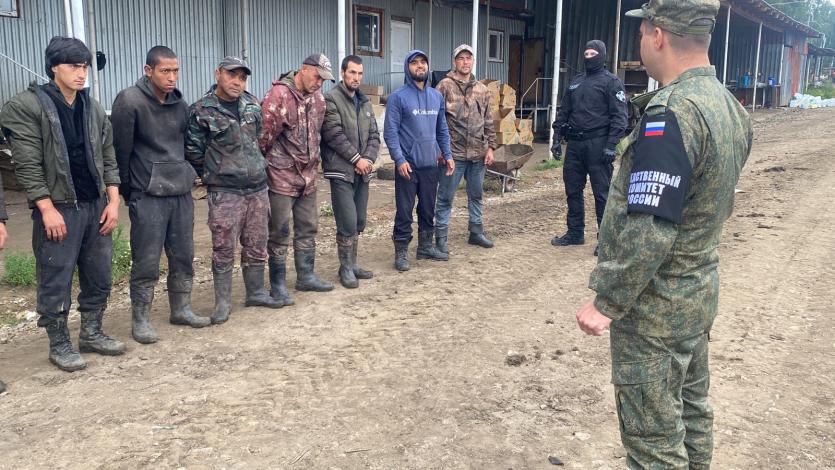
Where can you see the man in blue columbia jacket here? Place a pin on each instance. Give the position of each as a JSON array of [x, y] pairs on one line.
[[417, 136]]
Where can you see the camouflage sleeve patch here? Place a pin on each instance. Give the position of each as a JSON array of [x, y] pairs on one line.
[[661, 173]]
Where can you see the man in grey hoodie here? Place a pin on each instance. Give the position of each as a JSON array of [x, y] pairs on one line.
[[149, 122]]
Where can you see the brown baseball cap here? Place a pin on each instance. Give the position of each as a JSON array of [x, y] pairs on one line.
[[322, 64], [682, 17], [231, 63]]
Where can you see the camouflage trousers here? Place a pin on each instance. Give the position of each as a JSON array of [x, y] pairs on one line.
[[237, 218], [661, 392]]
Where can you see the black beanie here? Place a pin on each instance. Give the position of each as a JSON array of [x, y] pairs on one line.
[[63, 50]]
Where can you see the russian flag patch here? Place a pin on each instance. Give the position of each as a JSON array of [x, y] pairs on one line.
[[654, 129]]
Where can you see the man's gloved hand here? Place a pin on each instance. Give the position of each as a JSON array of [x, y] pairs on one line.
[[556, 150], [608, 156]]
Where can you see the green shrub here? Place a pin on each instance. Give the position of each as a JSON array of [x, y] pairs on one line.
[[20, 269], [825, 91], [549, 164], [326, 210], [121, 256]]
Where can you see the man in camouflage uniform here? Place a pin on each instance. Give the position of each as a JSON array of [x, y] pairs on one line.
[[222, 143], [656, 279], [293, 111], [473, 140]]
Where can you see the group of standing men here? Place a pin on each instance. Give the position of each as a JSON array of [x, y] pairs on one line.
[[258, 162]]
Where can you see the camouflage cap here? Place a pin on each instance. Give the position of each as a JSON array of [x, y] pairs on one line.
[[680, 17], [322, 64], [231, 63], [460, 49]]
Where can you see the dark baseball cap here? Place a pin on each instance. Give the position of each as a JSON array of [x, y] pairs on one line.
[[692, 17], [322, 64], [231, 63]]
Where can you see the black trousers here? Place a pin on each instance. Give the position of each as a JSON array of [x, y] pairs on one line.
[[83, 247], [584, 158], [423, 185], [157, 223], [350, 205]]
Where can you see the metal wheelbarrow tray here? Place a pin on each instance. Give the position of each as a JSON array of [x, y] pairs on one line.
[[507, 160]]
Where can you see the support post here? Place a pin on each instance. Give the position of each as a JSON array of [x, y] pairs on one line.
[[341, 18], [616, 51], [68, 17], [555, 82], [727, 40], [757, 67], [475, 37], [91, 43]]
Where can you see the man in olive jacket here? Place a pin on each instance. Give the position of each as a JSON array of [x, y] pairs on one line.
[[62, 144], [350, 144]]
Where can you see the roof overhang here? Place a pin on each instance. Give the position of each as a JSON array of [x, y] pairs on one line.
[[760, 11]]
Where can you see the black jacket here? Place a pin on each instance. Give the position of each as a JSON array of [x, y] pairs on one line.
[[347, 135], [593, 101], [149, 137]]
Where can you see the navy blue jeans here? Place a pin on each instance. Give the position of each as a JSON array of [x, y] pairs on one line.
[[473, 174], [423, 185]]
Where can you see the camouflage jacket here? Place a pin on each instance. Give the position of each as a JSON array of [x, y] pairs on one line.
[[224, 150], [290, 137], [468, 117], [657, 270]]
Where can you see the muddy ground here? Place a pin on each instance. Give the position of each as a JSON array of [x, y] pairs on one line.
[[409, 370]]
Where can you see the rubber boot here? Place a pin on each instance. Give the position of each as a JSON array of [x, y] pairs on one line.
[[441, 237], [306, 279], [345, 250], [222, 281], [181, 313], [256, 296], [278, 281], [401, 255], [61, 352], [477, 237], [426, 250], [359, 273], [141, 328], [91, 338], [568, 239]]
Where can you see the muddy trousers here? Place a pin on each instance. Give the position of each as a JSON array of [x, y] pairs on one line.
[[305, 215], [158, 223], [238, 218], [55, 261], [584, 159], [423, 185], [661, 393], [350, 205]]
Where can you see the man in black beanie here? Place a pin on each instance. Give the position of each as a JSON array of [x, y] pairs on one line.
[[592, 118], [62, 144]]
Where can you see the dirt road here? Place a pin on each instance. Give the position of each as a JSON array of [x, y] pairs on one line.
[[409, 370]]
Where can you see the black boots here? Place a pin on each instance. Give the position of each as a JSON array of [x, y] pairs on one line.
[[441, 236], [426, 250], [359, 273], [61, 352], [568, 239], [141, 328], [306, 279], [91, 338], [345, 250], [401, 257], [278, 280], [256, 296], [181, 313], [222, 281], [477, 237]]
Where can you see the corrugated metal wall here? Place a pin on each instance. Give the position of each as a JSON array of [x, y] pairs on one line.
[[582, 22], [24, 39]]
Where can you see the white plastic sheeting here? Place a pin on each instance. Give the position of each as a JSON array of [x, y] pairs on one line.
[[810, 102]]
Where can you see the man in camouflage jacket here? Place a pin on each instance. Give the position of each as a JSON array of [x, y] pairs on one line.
[[473, 140], [656, 278], [293, 111], [222, 143]]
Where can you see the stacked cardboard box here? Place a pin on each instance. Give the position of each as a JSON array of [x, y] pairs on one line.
[[373, 92]]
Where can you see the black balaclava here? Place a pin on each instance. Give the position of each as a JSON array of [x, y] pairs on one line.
[[598, 62]]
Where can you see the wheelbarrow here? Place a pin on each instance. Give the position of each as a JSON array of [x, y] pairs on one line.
[[507, 160]]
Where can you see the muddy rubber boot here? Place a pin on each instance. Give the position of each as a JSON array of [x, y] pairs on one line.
[[477, 237], [91, 338], [278, 281], [306, 280], [222, 281], [141, 328], [181, 313], [441, 237], [426, 250], [401, 255], [61, 352], [359, 273], [256, 296], [345, 250], [568, 239]]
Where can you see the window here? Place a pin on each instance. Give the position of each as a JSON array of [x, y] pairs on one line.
[[495, 46], [9, 8], [368, 31]]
